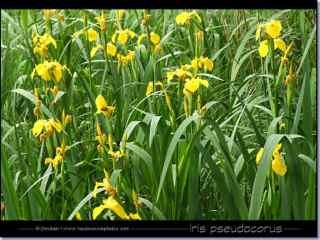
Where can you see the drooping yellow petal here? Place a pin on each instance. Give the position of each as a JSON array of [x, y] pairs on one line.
[[48, 39], [101, 103], [96, 187], [123, 37], [115, 207], [56, 124], [259, 155], [183, 18], [97, 211], [273, 28], [42, 70], [78, 216], [279, 43], [149, 90], [102, 106], [278, 165], [170, 75], [134, 216], [92, 35], [48, 161], [111, 49], [263, 48], [277, 148], [154, 38], [192, 85], [38, 127], [204, 83], [57, 71], [208, 64]]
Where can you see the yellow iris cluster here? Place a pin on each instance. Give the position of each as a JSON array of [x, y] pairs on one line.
[[119, 37], [122, 36], [202, 63], [185, 17], [153, 38], [125, 59], [187, 73], [49, 70], [59, 157], [44, 128], [278, 164], [41, 43], [102, 107], [111, 203], [272, 30]]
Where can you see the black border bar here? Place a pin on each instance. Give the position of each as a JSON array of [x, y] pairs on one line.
[[155, 4], [159, 228]]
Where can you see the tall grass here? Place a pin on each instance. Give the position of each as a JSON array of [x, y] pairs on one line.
[[196, 166]]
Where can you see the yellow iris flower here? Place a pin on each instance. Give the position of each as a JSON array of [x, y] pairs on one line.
[[44, 128], [278, 164], [154, 38], [279, 44], [54, 162], [273, 28], [112, 204], [134, 216], [92, 35], [259, 155], [263, 48], [202, 63], [41, 44], [122, 36], [103, 107], [192, 85], [111, 49], [125, 59], [185, 17], [106, 185], [49, 71]]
